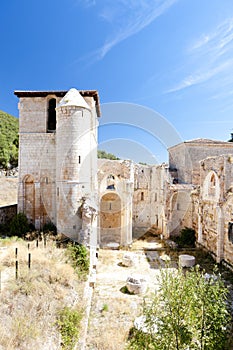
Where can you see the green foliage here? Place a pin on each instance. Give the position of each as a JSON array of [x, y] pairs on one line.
[[80, 258], [105, 307], [187, 238], [69, 323], [49, 227], [190, 312], [9, 142], [105, 155], [19, 225]]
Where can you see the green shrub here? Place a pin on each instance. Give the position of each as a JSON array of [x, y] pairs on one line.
[[187, 238], [69, 325], [49, 227], [19, 225], [189, 311], [80, 258]]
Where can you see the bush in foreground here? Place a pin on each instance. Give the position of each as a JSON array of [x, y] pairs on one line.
[[19, 225], [188, 312]]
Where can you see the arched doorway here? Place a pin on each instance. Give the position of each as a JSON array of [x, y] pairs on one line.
[[110, 219]]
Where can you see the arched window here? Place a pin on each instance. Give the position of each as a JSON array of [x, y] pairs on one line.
[[111, 182], [212, 185], [51, 124]]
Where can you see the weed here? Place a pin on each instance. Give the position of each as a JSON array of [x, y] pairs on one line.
[[80, 258], [105, 307], [69, 323]]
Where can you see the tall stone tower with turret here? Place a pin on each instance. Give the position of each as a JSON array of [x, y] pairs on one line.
[[58, 160]]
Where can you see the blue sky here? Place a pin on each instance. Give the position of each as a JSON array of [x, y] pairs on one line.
[[173, 58]]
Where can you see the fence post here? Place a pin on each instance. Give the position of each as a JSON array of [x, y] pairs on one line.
[[29, 261], [16, 269]]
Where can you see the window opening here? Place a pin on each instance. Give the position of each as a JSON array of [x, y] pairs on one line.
[[51, 125], [142, 196], [110, 182], [230, 232]]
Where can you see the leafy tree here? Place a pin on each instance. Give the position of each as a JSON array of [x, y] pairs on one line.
[[188, 312], [9, 128], [105, 155]]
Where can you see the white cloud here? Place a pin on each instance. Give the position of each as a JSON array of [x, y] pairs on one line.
[[127, 18], [211, 56], [202, 76]]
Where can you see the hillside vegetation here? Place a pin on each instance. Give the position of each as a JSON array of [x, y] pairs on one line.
[[9, 142], [105, 155]]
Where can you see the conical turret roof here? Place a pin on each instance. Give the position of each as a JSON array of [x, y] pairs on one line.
[[73, 98]]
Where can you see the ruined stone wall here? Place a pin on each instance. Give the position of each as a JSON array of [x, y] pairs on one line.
[[180, 207], [160, 181], [7, 213], [215, 206], [116, 179], [141, 200], [185, 157], [227, 237]]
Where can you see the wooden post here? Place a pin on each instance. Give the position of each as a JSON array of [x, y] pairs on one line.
[[37, 243], [16, 253], [29, 261], [44, 241], [16, 269], [28, 246]]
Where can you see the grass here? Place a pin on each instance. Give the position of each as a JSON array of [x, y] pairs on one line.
[[30, 305]]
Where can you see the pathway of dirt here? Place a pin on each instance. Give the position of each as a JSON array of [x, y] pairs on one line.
[[112, 311]]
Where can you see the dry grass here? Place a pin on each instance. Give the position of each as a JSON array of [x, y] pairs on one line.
[[30, 304]]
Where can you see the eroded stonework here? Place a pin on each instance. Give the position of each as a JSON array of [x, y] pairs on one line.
[[112, 202]]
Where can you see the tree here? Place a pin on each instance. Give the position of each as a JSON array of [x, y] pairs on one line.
[[189, 311], [105, 155], [9, 128]]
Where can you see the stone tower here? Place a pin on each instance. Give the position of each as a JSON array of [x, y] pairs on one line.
[[58, 159], [76, 167]]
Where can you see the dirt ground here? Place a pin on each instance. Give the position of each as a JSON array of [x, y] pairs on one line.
[[112, 310], [8, 190]]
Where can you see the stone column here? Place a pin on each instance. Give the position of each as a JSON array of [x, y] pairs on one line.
[[220, 234]]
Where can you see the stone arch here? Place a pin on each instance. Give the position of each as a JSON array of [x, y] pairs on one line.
[[46, 200], [29, 198], [211, 187], [180, 216], [110, 218]]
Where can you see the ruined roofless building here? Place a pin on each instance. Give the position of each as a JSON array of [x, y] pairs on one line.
[[58, 160], [58, 179]]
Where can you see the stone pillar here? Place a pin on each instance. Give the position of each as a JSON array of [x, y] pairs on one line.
[[220, 234], [37, 206], [199, 223]]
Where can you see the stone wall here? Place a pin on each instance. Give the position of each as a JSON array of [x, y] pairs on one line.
[[186, 156], [7, 213]]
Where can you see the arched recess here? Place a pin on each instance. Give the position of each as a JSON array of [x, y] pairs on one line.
[[29, 198], [180, 215], [46, 200], [211, 187], [110, 218]]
